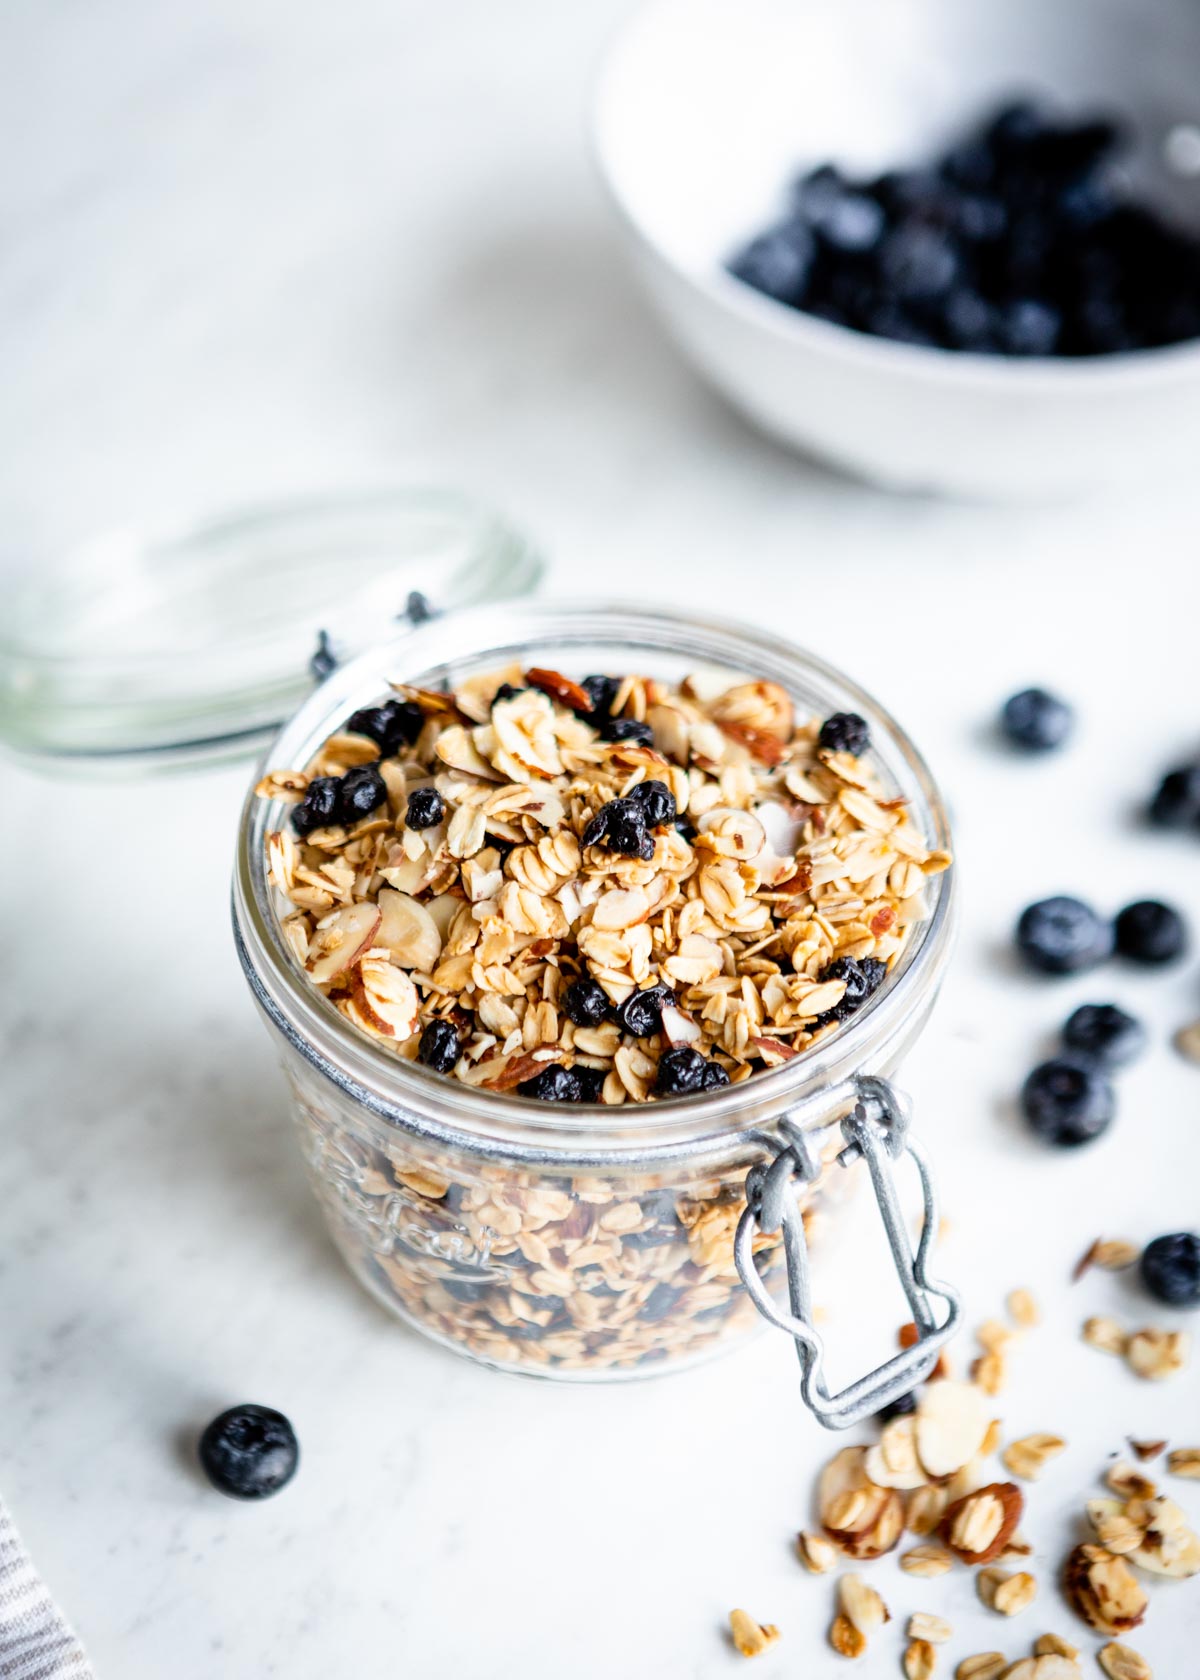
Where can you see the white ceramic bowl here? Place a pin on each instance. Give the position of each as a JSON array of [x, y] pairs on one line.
[[705, 109]]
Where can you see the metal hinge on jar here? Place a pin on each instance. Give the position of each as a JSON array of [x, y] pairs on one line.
[[876, 1131]]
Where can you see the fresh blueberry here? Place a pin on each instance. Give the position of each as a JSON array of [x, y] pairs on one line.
[[553, 1084], [426, 808], [586, 1002], [360, 792], [680, 1072], [1028, 327], [1150, 933], [777, 262], [845, 732], [902, 1406], [968, 322], [1036, 721], [1176, 804], [393, 725], [1171, 1269], [640, 1014], [620, 825], [918, 262], [439, 1046], [1104, 1035], [249, 1452], [1062, 936], [850, 222], [318, 808], [627, 729], [1067, 1102], [657, 801]]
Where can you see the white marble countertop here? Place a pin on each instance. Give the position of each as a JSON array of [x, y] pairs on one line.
[[252, 248]]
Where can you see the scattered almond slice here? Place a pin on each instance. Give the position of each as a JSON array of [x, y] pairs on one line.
[[1111, 1254], [951, 1422], [1145, 1450], [977, 1527], [1103, 1590]]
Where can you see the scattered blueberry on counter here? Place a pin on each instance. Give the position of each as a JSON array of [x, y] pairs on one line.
[[1104, 1035], [1018, 241], [1068, 1102], [249, 1452], [1170, 1268], [1063, 935], [1176, 802], [1036, 721], [1150, 933]]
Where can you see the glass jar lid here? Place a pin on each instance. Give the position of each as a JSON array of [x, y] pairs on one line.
[[154, 651]]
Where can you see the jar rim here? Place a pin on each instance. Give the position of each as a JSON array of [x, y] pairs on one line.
[[410, 1097]]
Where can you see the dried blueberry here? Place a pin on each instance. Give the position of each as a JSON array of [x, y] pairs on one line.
[[439, 1046], [621, 827], [318, 808], [249, 1452], [1062, 936], [463, 1290], [1067, 1102], [657, 801], [627, 729], [659, 1303], [1151, 933], [715, 1077], [1104, 1035], [1036, 720], [602, 692], [586, 1002], [360, 791], [1176, 803], [845, 732], [591, 1083], [507, 691], [641, 1012], [861, 975], [680, 1072], [902, 1406], [393, 725], [554, 1084], [425, 809], [1170, 1269]]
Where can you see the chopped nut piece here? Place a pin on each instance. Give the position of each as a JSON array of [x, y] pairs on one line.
[[1146, 1449], [1023, 1309], [1184, 1461], [985, 1665], [861, 1605], [817, 1554], [1029, 1456], [1121, 1662], [845, 1638], [978, 1527], [927, 1561], [1103, 1590], [920, 1660], [1157, 1354], [933, 1628], [751, 1637], [1105, 1334]]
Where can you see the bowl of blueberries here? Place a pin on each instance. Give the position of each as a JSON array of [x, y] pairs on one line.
[[946, 247]]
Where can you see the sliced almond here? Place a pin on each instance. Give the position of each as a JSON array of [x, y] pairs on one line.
[[845, 1473], [951, 1422], [386, 997], [1144, 1450], [1103, 1590], [339, 941], [409, 931], [679, 1028], [622, 907], [893, 1462]]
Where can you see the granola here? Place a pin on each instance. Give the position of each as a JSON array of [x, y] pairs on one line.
[[473, 858]]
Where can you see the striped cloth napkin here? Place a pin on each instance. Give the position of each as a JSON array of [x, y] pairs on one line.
[[35, 1641]]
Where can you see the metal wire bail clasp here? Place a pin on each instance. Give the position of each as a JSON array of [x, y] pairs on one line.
[[876, 1131]]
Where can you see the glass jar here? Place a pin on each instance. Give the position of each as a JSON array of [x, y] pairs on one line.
[[574, 1241]]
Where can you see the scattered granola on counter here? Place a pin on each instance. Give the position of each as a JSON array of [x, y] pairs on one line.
[[603, 891]]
